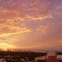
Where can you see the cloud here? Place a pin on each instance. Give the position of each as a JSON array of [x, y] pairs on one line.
[[6, 46], [31, 23]]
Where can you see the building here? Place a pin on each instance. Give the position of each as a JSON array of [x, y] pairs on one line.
[[52, 57]]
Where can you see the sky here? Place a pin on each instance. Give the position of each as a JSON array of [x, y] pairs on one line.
[[31, 24]]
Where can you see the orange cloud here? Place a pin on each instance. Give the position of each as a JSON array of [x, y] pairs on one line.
[[42, 29], [8, 34], [23, 23], [6, 46]]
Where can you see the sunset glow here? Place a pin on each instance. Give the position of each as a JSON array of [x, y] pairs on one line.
[[5, 46], [35, 24]]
